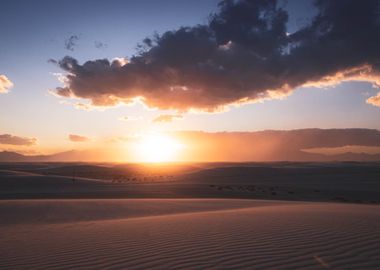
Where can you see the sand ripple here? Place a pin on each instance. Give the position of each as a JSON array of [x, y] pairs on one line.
[[277, 236]]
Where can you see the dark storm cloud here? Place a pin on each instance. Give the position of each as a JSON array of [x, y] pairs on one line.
[[244, 54], [15, 140], [71, 42]]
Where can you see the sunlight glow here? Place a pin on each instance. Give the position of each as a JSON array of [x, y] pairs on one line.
[[158, 148]]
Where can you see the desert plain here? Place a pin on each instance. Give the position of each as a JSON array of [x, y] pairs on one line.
[[190, 216]]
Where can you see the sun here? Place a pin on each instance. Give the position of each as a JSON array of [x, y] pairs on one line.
[[158, 148]]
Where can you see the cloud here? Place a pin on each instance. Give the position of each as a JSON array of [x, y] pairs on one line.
[[52, 61], [5, 84], [71, 42], [100, 45], [129, 139], [15, 140], [166, 118], [244, 54], [375, 100], [358, 149], [78, 138]]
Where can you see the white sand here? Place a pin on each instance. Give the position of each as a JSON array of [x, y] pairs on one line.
[[188, 234]]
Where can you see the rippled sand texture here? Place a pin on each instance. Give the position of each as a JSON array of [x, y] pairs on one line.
[[250, 235]]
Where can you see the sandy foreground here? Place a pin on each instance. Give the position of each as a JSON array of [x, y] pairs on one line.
[[187, 234]]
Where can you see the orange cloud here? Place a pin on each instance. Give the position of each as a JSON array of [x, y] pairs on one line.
[[358, 149], [15, 140], [5, 84], [78, 138], [166, 118], [375, 100]]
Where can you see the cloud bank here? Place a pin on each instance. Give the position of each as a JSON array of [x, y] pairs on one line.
[[78, 138], [15, 140], [5, 84], [244, 54]]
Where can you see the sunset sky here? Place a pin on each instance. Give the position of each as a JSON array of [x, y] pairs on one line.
[[49, 103]]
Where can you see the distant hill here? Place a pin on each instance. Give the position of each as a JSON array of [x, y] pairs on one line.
[[269, 145], [6, 156], [68, 156]]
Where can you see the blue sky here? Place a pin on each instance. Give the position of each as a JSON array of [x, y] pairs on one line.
[[34, 31]]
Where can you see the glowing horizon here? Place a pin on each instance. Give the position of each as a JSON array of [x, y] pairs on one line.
[[157, 148]]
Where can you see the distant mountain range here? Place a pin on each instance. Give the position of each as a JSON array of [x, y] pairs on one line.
[[270, 145], [73, 155], [281, 145]]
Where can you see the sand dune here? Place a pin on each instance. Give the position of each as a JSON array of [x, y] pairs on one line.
[[29, 212], [42, 226], [216, 234], [337, 182]]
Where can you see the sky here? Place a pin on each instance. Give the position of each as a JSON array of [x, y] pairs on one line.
[[37, 35]]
